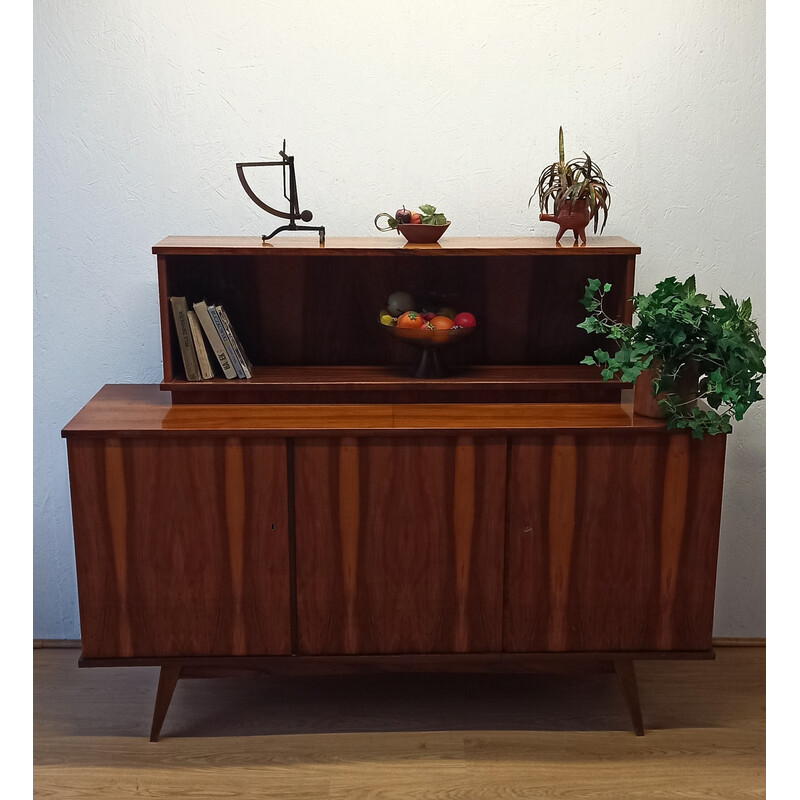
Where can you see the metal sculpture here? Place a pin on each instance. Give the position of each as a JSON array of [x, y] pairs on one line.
[[294, 213]]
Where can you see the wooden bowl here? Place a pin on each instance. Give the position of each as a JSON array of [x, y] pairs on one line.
[[422, 234], [423, 338]]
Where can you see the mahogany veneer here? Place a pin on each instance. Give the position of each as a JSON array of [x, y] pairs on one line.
[[333, 513], [358, 246], [308, 316]]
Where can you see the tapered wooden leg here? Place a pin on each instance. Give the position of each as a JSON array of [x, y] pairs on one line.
[[630, 691], [167, 680]]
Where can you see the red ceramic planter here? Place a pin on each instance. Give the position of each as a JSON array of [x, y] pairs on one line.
[[646, 404], [571, 216]]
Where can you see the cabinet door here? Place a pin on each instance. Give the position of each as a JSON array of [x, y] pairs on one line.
[[612, 542], [399, 544], [181, 546]]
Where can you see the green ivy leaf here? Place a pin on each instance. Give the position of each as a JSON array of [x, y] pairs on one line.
[[630, 374], [672, 326]]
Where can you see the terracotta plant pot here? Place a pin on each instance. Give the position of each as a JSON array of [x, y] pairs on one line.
[[646, 404], [571, 216]]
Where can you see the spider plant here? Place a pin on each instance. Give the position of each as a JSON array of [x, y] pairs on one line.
[[571, 181]]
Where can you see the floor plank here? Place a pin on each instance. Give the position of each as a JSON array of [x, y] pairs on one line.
[[403, 736]]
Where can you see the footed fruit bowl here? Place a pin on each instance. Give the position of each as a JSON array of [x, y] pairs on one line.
[[429, 330], [430, 363]]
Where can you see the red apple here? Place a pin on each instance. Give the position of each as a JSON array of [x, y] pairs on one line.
[[416, 219], [403, 216], [464, 320]]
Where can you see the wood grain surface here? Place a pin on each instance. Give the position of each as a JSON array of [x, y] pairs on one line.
[[604, 539], [291, 307], [612, 542], [399, 544], [134, 410], [181, 547], [396, 384], [387, 737], [220, 245]]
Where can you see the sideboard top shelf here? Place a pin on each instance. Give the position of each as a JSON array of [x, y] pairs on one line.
[[374, 245], [143, 410]]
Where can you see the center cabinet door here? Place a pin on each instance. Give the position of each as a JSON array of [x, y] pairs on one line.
[[399, 544]]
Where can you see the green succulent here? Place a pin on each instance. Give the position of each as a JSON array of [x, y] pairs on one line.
[[675, 329]]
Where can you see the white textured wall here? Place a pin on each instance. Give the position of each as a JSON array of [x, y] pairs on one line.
[[142, 108]]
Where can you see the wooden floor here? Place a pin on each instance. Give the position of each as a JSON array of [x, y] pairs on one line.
[[395, 736]]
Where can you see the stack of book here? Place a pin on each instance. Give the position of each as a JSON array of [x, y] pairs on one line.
[[209, 345]]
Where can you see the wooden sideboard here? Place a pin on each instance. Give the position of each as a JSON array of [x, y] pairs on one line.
[[321, 516]]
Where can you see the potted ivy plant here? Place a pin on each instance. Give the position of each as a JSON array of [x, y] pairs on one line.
[[681, 348], [576, 191]]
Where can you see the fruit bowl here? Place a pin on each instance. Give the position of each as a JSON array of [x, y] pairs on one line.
[[422, 234], [427, 338], [430, 364]]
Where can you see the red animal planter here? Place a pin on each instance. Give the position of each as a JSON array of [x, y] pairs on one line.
[[571, 216]]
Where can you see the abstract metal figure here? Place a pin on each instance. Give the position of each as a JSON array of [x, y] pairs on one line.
[[294, 212]]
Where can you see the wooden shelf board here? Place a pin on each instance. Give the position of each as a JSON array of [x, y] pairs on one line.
[[399, 379], [142, 410], [388, 245]]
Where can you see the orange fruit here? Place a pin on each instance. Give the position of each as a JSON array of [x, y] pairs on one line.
[[410, 319], [441, 323]]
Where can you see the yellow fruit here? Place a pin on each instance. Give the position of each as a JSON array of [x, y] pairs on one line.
[[387, 319]]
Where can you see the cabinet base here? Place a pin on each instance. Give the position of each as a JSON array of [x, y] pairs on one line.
[[173, 669]]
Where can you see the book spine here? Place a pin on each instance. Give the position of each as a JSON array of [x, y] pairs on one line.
[[212, 312], [206, 323], [237, 350], [203, 360], [238, 341], [180, 312]]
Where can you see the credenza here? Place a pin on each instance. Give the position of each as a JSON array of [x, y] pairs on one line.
[[335, 513]]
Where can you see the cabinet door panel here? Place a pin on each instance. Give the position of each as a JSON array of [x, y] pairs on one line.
[[612, 542], [181, 546], [399, 544]]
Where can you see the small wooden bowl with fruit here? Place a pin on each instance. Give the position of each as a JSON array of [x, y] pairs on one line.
[[425, 227], [427, 329]]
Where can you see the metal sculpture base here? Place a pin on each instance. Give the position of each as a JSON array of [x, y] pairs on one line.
[[320, 230]]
